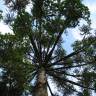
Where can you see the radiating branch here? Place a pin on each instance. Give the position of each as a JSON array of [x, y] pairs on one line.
[[68, 67], [73, 53], [50, 89], [71, 82], [68, 56], [48, 56], [34, 46]]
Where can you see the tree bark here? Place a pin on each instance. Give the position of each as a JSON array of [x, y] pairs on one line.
[[41, 86]]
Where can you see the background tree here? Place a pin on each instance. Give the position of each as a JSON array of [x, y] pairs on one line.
[[88, 59], [15, 68], [43, 28]]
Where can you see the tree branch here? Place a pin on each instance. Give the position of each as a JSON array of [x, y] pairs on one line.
[[71, 82], [34, 46], [87, 63], [68, 56], [73, 53], [48, 56], [50, 89]]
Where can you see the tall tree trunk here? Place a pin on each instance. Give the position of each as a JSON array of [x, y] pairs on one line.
[[41, 86]]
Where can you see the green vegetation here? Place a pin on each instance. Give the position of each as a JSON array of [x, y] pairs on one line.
[[33, 54]]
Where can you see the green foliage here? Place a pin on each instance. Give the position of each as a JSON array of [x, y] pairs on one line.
[[37, 44], [89, 53], [14, 65], [87, 57], [17, 4], [22, 24]]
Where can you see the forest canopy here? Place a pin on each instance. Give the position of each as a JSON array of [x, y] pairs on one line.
[[33, 55]]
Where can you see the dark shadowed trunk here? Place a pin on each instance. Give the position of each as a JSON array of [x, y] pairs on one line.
[[41, 86]]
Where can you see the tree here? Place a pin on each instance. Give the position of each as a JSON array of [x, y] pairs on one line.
[[43, 28], [88, 59], [16, 70]]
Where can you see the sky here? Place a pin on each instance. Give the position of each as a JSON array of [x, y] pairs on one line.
[[73, 34]]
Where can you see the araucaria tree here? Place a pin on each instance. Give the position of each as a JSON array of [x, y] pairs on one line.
[[40, 30]]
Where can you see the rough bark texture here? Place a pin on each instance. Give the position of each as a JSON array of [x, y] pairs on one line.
[[41, 87]]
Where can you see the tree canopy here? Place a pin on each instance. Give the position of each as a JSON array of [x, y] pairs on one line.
[[33, 55]]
